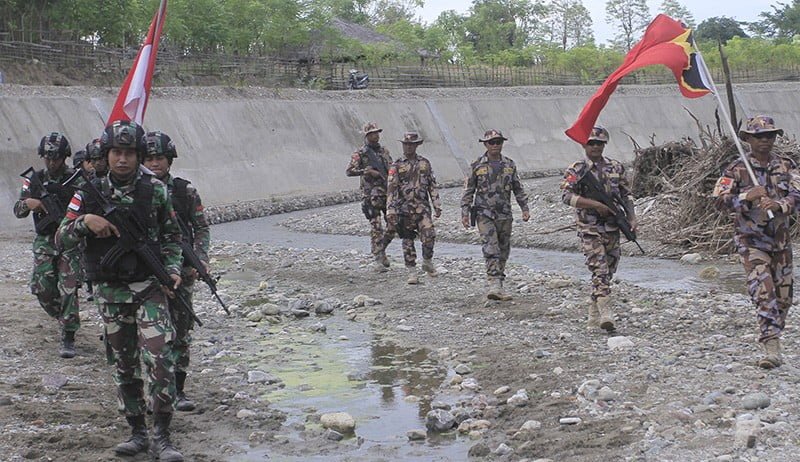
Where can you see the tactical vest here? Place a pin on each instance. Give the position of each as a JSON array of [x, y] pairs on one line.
[[129, 267], [47, 224], [183, 207]]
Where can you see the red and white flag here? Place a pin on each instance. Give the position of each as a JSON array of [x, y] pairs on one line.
[[132, 99]]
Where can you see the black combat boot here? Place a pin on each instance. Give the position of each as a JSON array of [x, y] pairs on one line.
[[138, 441], [67, 344], [182, 403], [162, 447]]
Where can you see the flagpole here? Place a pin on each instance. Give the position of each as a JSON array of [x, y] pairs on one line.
[[728, 122]]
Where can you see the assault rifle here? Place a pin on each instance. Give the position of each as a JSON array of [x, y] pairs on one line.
[[593, 190], [376, 163], [191, 259], [133, 238], [54, 210]]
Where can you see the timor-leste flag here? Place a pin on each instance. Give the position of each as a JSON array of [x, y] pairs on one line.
[[666, 41]]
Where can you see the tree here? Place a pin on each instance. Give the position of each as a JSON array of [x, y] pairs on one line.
[[497, 25], [720, 29], [782, 22], [392, 11], [630, 18], [676, 10], [570, 24]]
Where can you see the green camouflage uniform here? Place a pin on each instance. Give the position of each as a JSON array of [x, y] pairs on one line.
[[56, 274], [137, 321], [196, 220], [412, 188], [374, 194], [599, 238], [490, 185]]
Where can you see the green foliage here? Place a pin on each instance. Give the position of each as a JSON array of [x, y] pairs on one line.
[[720, 29], [629, 18], [753, 53], [782, 22]]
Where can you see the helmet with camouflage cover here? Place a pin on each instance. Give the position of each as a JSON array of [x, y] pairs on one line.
[[78, 158], [598, 133], [122, 134], [760, 124], [54, 146], [93, 149], [159, 144]]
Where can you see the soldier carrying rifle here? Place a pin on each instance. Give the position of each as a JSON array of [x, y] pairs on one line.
[[599, 224]]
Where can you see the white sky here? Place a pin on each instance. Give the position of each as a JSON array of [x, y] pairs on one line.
[[741, 10]]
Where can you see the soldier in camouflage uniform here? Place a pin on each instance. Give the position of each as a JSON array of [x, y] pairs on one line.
[[764, 243], [133, 304], [412, 188], [487, 192], [56, 272], [189, 208], [598, 233], [81, 160], [371, 162], [99, 162]]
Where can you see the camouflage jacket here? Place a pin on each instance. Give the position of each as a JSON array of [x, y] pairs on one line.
[[611, 175], [44, 244], [73, 230], [490, 185], [196, 220], [412, 187], [371, 187], [752, 226]]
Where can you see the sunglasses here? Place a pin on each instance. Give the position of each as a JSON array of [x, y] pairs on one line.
[[765, 135], [595, 143], [495, 142]]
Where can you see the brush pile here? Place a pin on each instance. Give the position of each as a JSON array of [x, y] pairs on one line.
[[676, 181]]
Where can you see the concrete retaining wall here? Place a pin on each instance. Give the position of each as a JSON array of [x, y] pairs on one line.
[[253, 144]]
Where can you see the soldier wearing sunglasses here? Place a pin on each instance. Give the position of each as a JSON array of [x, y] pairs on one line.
[[597, 230], [487, 195], [763, 243]]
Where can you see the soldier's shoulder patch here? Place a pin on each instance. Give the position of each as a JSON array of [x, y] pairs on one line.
[[403, 168], [26, 184], [723, 186], [393, 170], [356, 156], [482, 170], [571, 178], [74, 206]]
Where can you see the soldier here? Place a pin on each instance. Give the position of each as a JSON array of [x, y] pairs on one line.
[[81, 160], [763, 243], [598, 232], [160, 153], [412, 188], [99, 162], [55, 271], [371, 162], [487, 196], [133, 305]]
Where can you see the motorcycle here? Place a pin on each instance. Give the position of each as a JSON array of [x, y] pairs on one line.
[[357, 81]]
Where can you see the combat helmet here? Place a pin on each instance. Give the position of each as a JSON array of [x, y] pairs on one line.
[[159, 144], [93, 149], [122, 134], [78, 158], [54, 146]]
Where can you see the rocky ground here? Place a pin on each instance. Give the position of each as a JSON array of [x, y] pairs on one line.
[[521, 380]]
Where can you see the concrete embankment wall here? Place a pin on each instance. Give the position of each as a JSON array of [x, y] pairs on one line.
[[252, 144]]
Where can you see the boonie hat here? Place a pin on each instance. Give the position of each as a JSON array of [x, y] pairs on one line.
[[598, 133], [371, 127], [760, 124], [492, 134], [411, 138]]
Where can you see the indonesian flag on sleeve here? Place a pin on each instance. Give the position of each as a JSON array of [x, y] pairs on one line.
[[666, 41], [132, 99], [74, 207]]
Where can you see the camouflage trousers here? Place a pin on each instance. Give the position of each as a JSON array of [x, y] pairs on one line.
[[380, 234], [55, 281], [770, 285], [496, 240], [183, 324], [602, 254], [135, 333], [423, 226]]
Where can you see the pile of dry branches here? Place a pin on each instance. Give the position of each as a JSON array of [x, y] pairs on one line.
[[681, 177]]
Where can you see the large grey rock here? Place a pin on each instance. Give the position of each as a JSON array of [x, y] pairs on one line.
[[261, 377], [619, 343], [323, 307], [692, 258], [756, 401], [519, 399], [416, 435], [342, 422], [439, 420]]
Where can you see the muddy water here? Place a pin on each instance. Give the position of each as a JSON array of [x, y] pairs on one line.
[[386, 388], [644, 271]]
